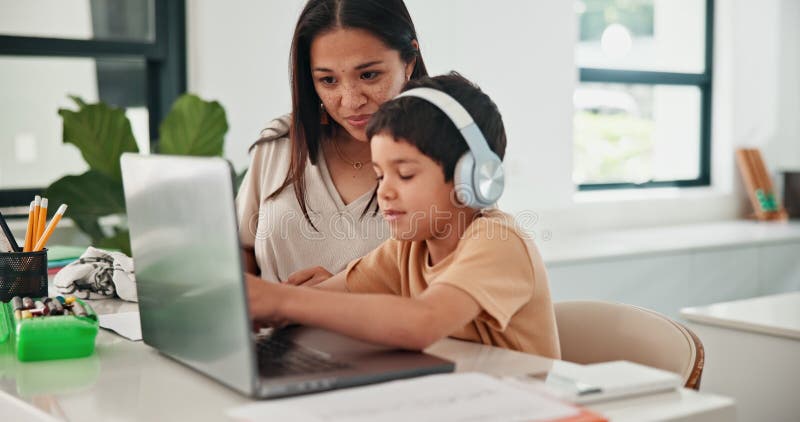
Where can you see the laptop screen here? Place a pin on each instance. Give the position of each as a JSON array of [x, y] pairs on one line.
[[187, 256]]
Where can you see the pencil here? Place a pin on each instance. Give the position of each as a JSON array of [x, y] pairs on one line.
[[37, 202], [50, 228], [12, 242], [41, 221], [28, 235]]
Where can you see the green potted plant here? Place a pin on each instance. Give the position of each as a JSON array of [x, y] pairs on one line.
[[102, 133]]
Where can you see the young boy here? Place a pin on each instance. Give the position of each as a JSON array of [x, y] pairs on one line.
[[449, 270]]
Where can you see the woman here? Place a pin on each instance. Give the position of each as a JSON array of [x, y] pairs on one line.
[[307, 206]]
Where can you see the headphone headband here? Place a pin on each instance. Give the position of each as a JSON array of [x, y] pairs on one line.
[[479, 172], [459, 116]]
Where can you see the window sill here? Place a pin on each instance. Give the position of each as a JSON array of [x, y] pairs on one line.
[[623, 195], [654, 241]]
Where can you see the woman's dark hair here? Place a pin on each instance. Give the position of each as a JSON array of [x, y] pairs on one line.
[[422, 124], [388, 20]]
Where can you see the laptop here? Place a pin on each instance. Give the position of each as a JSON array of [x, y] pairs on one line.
[[192, 298]]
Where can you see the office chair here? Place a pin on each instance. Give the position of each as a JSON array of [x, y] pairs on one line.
[[595, 331]]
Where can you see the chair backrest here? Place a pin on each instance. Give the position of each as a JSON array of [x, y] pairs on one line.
[[594, 331]]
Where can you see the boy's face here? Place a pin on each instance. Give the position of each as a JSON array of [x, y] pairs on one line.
[[412, 193]]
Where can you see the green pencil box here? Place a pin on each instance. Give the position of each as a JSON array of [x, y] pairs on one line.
[[50, 337]]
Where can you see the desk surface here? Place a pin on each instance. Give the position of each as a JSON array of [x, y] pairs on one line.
[[129, 381], [777, 315]]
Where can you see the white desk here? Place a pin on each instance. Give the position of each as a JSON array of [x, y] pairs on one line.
[[130, 381], [752, 354]]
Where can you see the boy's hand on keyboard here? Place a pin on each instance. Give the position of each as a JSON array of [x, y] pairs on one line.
[[259, 328], [263, 298]]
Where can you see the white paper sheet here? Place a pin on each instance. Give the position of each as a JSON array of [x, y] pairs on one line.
[[125, 324], [456, 397]]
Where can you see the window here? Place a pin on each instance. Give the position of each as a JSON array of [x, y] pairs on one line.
[[127, 53], [643, 104]]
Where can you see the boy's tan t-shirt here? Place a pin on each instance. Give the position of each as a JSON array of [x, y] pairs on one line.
[[499, 268]]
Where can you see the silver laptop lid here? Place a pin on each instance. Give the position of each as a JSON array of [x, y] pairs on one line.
[[185, 245]]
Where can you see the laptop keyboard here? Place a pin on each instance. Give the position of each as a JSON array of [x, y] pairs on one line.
[[279, 356]]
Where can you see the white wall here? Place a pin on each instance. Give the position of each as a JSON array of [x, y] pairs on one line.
[[238, 54], [521, 53], [524, 61], [789, 74]]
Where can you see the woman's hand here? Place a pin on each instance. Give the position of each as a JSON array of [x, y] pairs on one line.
[[309, 277], [264, 299]]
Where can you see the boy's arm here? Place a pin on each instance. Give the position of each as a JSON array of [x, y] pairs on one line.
[[410, 323], [309, 276], [336, 283]]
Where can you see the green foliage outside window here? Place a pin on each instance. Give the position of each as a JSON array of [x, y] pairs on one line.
[[636, 15], [612, 147]]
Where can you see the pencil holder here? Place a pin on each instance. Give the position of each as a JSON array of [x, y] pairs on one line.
[[23, 274]]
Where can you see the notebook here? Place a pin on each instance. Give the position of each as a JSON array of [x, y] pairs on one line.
[[600, 381]]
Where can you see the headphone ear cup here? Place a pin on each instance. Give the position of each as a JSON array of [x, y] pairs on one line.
[[462, 181]]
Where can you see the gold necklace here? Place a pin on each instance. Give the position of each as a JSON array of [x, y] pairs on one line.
[[356, 164]]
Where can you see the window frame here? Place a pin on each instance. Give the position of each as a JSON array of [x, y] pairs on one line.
[[703, 81], [165, 66]]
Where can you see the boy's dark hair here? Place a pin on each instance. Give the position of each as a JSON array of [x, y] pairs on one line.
[[425, 126]]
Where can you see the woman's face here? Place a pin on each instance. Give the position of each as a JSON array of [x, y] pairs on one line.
[[354, 73]]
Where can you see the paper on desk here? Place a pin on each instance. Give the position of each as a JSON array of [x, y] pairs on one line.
[[467, 396], [125, 324]]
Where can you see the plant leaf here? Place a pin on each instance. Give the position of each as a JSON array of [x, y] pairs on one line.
[[121, 241], [90, 195], [193, 127], [89, 225], [101, 133], [78, 100]]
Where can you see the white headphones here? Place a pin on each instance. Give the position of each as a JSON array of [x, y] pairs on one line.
[[479, 177]]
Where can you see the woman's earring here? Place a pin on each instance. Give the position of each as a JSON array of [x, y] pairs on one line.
[[323, 115]]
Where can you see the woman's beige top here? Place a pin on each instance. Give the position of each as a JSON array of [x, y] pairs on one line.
[[283, 240]]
